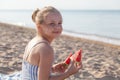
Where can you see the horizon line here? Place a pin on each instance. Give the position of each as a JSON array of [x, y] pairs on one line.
[[73, 9]]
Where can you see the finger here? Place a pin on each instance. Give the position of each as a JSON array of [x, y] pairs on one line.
[[79, 63], [80, 67]]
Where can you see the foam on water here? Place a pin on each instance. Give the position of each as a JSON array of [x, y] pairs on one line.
[[95, 37]]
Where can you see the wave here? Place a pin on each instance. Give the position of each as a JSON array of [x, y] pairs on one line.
[[18, 23], [94, 37], [106, 39], [15, 23]]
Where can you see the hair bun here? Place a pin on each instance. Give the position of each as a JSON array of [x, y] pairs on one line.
[[34, 14]]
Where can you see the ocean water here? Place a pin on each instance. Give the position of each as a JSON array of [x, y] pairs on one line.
[[91, 24]]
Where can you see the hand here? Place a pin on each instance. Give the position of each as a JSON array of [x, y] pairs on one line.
[[74, 67], [60, 67]]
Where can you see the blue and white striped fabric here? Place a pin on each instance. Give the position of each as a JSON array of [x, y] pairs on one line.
[[14, 76], [29, 72]]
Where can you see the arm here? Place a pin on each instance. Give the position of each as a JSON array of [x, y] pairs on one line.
[[45, 65], [72, 69]]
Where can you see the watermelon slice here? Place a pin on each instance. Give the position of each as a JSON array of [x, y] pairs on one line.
[[77, 56], [68, 60]]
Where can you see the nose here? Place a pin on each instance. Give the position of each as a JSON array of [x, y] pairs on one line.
[[58, 26]]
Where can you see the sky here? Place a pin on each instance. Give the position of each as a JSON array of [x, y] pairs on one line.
[[62, 4]]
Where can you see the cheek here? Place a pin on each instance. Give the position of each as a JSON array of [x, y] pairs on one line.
[[61, 29], [48, 30]]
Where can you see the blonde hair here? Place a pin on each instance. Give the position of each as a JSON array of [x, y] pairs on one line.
[[39, 15]]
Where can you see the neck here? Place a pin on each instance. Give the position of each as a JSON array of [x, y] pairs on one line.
[[49, 40]]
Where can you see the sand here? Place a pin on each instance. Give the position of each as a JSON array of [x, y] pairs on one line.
[[101, 61]]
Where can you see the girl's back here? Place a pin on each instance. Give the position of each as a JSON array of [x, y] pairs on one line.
[[30, 59]]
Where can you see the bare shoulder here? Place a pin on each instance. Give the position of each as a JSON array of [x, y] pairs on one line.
[[46, 55], [45, 49]]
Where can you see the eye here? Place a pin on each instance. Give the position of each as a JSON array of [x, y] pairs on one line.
[[60, 23], [52, 24]]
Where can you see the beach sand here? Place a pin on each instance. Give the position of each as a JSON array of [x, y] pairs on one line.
[[101, 61]]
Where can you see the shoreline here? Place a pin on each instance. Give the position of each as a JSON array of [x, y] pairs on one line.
[[100, 60], [96, 38]]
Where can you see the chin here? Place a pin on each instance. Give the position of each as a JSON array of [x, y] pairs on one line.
[[55, 36]]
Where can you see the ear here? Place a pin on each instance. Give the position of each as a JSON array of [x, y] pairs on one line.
[[37, 25], [39, 28]]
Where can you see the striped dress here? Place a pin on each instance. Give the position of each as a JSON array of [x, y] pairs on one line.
[[29, 71]]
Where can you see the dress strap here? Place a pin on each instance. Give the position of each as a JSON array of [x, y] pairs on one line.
[[30, 51]]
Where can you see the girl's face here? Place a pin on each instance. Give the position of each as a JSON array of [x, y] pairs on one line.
[[52, 25]]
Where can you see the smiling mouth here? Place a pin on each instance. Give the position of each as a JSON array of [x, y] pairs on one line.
[[56, 32]]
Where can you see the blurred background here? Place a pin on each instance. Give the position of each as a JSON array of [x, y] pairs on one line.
[[91, 19]]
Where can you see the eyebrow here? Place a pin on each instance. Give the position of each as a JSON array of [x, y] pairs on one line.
[[54, 21]]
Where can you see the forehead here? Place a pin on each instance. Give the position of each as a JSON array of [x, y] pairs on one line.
[[53, 17]]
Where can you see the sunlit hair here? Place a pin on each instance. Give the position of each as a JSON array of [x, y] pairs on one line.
[[40, 14]]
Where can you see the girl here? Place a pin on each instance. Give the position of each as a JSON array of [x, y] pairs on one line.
[[39, 55]]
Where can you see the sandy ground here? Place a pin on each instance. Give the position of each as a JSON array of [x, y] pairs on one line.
[[101, 61]]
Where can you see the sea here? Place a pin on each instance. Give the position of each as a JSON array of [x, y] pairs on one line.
[[98, 25]]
